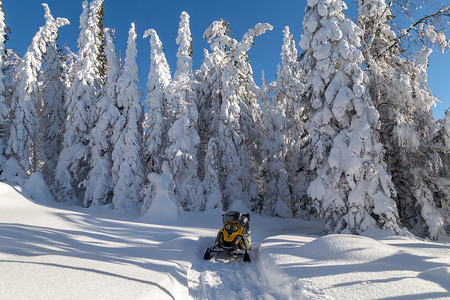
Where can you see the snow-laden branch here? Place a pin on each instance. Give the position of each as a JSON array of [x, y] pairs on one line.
[[247, 41], [216, 35], [217, 29], [59, 22], [149, 32]]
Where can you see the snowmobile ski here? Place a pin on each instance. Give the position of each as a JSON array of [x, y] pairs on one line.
[[207, 255], [246, 257]]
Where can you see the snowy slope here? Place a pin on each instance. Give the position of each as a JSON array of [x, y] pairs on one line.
[[51, 251]]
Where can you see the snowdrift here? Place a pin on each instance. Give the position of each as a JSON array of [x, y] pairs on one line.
[[49, 250]]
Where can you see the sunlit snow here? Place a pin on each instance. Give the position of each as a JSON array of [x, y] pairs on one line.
[[53, 251]]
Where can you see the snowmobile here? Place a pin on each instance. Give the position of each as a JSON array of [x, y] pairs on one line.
[[234, 237]]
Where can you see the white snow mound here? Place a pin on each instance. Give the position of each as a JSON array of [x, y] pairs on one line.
[[346, 247], [439, 275], [36, 189]]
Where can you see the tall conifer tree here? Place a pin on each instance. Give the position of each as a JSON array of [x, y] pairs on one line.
[[400, 93], [99, 185], [238, 122], [351, 185], [128, 171], [277, 195], [182, 153], [287, 97], [4, 111], [74, 161], [23, 144], [51, 109], [156, 122]]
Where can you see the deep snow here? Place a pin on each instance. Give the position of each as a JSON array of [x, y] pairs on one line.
[[53, 251]]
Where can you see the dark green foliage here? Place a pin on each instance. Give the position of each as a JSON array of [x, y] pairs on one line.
[[7, 29], [101, 56]]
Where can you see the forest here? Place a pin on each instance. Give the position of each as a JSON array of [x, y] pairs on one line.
[[345, 132]]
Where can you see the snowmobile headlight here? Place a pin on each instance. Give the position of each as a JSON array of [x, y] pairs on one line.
[[227, 227], [235, 228]]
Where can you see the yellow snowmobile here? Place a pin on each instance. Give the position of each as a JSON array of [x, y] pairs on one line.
[[233, 237]]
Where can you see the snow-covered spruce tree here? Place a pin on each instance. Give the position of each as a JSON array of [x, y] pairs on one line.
[[70, 59], [209, 100], [316, 58], [158, 105], [24, 129], [101, 39], [352, 189], [402, 97], [287, 95], [4, 111], [277, 195], [431, 166], [95, 24], [264, 204], [443, 182], [11, 70], [209, 93], [156, 123], [99, 184], [73, 163], [213, 195], [51, 109], [446, 131], [239, 123], [239, 86], [128, 171], [182, 153]]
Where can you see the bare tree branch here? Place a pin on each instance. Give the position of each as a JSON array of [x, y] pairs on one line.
[[442, 12]]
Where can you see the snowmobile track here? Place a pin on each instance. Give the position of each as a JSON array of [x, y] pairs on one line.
[[224, 276], [228, 277]]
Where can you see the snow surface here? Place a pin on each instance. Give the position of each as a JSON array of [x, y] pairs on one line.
[[54, 251]]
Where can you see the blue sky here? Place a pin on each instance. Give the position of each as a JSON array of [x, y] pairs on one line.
[[25, 16]]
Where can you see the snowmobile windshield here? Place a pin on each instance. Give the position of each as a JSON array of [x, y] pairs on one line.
[[234, 216]]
